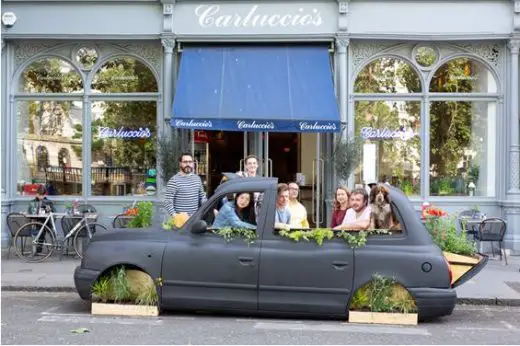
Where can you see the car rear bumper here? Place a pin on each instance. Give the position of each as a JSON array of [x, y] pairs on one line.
[[83, 280], [434, 302]]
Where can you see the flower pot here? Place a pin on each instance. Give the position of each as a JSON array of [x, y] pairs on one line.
[[382, 318], [124, 309]]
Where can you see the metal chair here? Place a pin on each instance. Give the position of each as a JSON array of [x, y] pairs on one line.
[[121, 221], [470, 214], [14, 222], [493, 229]]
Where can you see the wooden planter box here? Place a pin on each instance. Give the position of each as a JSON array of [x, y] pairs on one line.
[[382, 318], [124, 309], [461, 264]]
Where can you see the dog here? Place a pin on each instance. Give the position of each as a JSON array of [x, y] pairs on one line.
[[381, 216]]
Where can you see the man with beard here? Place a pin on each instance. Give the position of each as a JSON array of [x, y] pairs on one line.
[[357, 216], [184, 192]]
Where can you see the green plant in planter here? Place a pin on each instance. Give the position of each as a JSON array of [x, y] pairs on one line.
[[383, 294], [228, 233], [143, 218], [444, 234], [346, 156], [114, 287]]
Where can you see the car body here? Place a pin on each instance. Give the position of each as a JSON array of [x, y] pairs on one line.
[[274, 275]]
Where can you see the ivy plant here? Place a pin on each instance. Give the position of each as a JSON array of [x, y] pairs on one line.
[[354, 239], [229, 234]]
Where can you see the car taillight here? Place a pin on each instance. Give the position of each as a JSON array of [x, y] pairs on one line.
[[449, 270]]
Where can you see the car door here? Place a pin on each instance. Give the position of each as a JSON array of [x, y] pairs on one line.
[[304, 277], [203, 271]]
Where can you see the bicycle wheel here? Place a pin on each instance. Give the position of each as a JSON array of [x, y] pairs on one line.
[[83, 236], [39, 249]]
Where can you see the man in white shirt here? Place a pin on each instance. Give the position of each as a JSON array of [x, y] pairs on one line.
[[358, 215]]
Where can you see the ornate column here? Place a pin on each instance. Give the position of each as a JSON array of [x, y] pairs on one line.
[[168, 43], [341, 49], [514, 146]]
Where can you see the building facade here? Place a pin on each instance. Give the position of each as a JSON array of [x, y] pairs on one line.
[[431, 88]]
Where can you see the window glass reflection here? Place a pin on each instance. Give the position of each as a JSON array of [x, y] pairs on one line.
[[391, 149], [463, 75], [50, 75], [462, 148], [124, 75], [123, 148], [387, 75], [49, 147]]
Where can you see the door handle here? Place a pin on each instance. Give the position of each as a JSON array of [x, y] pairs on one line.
[[247, 261], [339, 265]]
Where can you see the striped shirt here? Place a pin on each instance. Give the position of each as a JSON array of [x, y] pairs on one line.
[[184, 194]]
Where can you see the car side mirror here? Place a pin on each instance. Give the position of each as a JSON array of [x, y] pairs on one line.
[[199, 227]]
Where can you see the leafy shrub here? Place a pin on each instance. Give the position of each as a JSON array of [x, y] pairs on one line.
[[143, 217]]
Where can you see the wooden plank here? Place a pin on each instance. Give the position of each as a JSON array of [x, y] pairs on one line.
[[382, 318], [451, 257], [124, 310]]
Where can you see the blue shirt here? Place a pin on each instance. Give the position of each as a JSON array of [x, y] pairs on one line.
[[282, 216], [227, 217]]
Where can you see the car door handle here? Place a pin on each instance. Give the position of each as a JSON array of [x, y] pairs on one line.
[[339, 265], [247, 261]]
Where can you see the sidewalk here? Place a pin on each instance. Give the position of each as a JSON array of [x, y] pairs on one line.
[[496, 284]]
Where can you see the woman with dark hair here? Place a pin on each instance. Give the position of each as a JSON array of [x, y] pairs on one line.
[[339, 205], [239, 214]]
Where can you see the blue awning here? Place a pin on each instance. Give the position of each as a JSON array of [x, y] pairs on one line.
[[284, 89]]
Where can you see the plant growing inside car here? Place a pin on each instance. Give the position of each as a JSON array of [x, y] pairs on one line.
[[143, 217], [354, 239], [443, 231], [228, 233], [383, 294], [115, 287]]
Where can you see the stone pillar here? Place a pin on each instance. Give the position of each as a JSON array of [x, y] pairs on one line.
[[341, 55], [514, 144], [168, 43]]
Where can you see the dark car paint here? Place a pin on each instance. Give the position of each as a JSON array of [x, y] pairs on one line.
[[274, 275]]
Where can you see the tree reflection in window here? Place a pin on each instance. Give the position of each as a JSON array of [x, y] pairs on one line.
[[50, 75], [124, 75], [460, 131], [387, 75]]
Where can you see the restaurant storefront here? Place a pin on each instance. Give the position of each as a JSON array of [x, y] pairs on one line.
[[84, 101]]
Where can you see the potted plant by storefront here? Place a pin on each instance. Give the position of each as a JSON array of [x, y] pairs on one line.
[[141, 215], [460, 252], [383, 301], [125, 292]]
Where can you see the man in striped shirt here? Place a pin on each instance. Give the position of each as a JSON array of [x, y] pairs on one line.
[[184, 191]]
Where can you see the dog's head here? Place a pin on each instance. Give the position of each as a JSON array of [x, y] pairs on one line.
[[380, 195]]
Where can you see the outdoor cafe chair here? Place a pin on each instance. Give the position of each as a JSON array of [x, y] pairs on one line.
[[14, 222], [86, 208], [121, 221], [492, 230], [470, 215]]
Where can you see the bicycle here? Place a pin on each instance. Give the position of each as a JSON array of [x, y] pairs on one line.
[[48, 237]]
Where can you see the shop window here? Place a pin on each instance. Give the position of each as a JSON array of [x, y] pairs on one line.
[[47, 134], [124, 75], [50, 75], [391, 143], [463, 75], [42, 158], [124, 138], [388, 75], [462, 148]]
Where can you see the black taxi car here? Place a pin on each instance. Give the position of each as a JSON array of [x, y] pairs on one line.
[[274, 275]]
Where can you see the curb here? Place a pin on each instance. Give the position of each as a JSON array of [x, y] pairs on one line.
[[37, 289], [489, 301], [460, 301]]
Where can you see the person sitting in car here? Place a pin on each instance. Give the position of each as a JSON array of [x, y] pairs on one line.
[[239, 213]]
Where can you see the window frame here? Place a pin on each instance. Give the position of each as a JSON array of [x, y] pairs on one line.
[[425, 98], [87, 97]]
